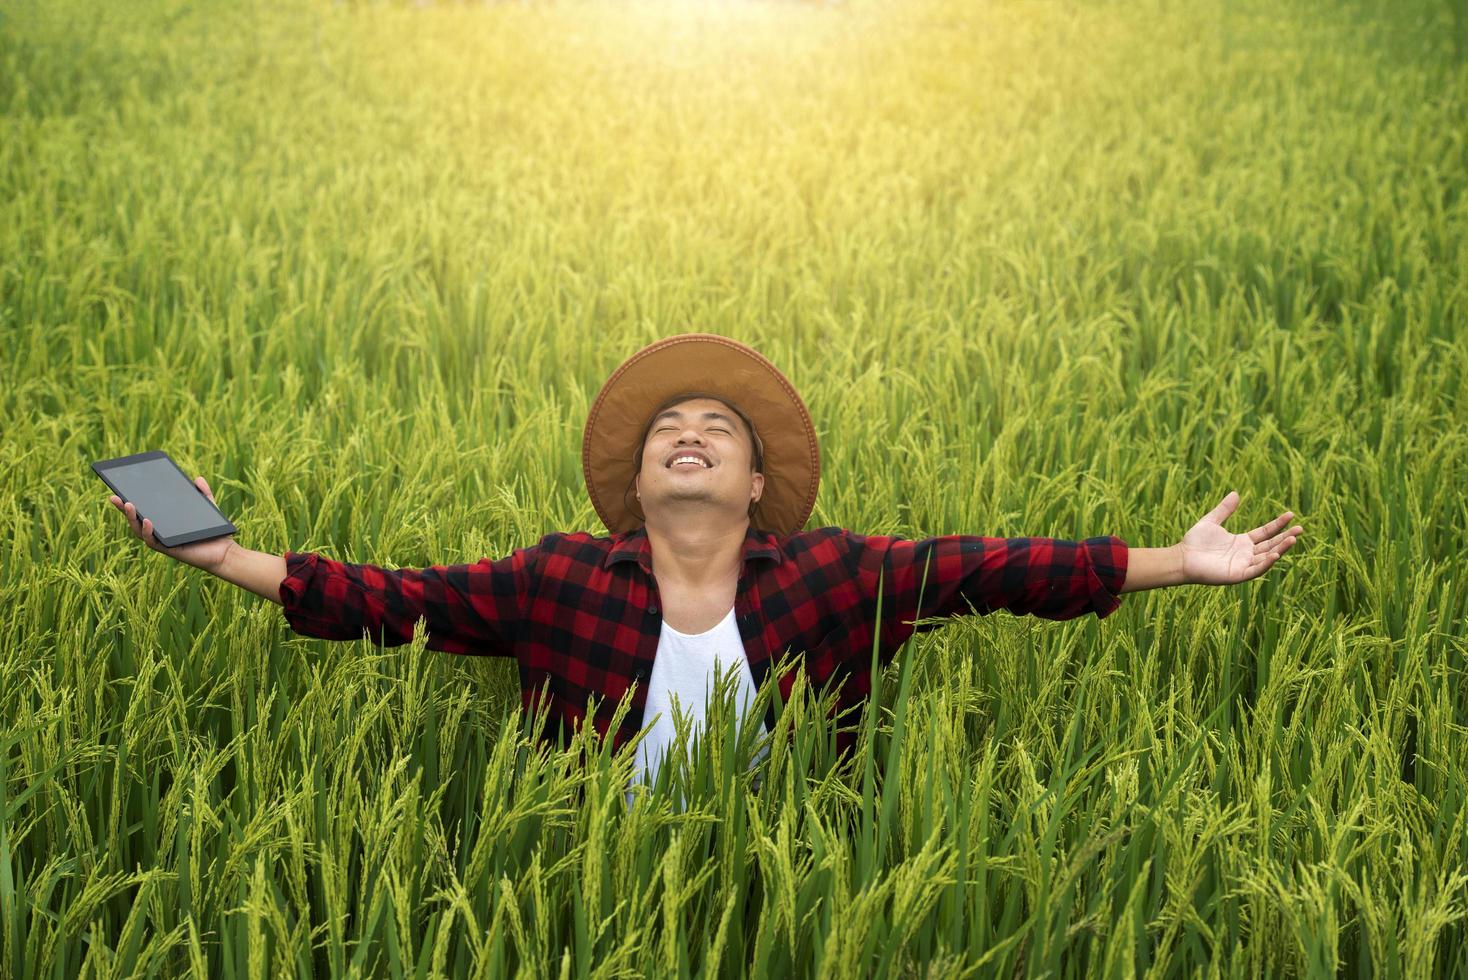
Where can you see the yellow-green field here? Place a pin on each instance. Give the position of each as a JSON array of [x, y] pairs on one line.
[[1061, 269]]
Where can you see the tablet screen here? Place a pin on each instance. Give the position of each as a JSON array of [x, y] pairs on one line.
[[165, 497]]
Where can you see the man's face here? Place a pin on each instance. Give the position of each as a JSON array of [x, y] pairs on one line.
[[721, 473]]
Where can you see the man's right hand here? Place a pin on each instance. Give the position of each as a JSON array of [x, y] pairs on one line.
[[208, 555]]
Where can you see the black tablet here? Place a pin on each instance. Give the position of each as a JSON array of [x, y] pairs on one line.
[[160, 491]]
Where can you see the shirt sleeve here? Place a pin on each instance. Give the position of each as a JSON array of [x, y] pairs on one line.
[[956, 574], [474, 609]]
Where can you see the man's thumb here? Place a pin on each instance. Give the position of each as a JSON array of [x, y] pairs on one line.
[[1225, 507]]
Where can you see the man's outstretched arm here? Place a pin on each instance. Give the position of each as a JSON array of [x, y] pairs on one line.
[[256, 571], [1210, 555], [1053, 578], [1152, 568], [467, 608]]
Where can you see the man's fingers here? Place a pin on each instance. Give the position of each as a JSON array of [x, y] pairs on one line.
[[143, 528], [145, 531], [1282, 539], [1261, 564], [1265, 530], [139, 527]]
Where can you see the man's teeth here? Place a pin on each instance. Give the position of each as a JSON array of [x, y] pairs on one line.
[[689, 459]]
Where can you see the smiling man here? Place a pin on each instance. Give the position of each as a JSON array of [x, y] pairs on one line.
[[702, 461]]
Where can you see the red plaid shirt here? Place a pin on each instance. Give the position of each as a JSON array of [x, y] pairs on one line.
[[581, 613]]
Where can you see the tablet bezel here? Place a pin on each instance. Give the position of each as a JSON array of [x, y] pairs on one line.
[[204, 534]]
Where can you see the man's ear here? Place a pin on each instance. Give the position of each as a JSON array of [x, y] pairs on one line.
[[758, 487]]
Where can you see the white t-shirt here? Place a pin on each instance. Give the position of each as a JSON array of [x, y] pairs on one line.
[[684, 669]]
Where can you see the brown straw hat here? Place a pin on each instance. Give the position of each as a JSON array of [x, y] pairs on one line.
[[723, 368]]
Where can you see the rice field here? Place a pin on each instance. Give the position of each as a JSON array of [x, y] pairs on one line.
[[1062, 269]]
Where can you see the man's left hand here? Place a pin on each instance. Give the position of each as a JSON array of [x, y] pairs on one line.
[[1214, 556]]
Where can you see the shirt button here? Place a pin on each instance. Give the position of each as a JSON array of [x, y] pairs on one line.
[[653, 610]]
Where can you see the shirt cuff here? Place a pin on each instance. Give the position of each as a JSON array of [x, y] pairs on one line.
[[1105, 573], [299, 567], [304, 614]]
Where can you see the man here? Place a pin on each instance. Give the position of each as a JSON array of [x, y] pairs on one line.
[[702, 461]]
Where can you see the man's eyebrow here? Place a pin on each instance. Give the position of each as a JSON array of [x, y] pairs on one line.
[[675, 414]]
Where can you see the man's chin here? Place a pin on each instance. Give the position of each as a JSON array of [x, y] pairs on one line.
[[689, 496]]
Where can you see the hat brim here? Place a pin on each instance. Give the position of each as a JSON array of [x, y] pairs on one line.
[[720, 366]]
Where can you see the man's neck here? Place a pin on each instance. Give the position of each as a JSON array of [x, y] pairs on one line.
[[698, 555]]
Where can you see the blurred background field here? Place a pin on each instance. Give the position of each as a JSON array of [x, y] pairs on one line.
[[1055, 269]]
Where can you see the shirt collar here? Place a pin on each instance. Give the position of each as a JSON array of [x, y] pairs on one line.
[[635, 546]]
